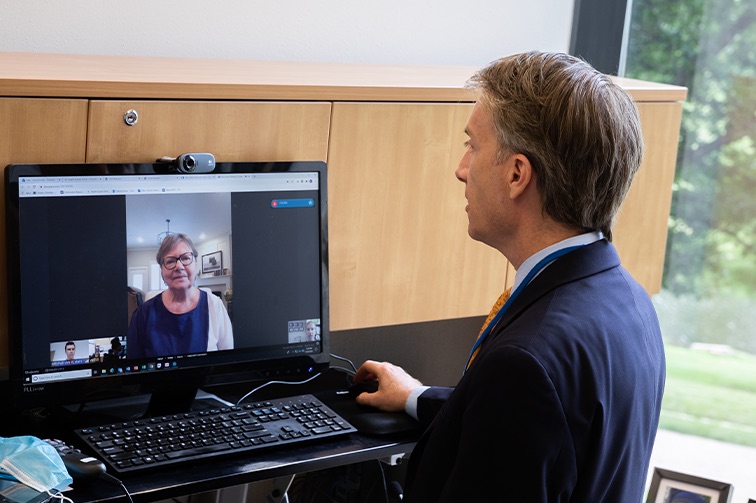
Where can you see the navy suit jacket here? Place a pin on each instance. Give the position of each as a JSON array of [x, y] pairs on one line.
[[561, 404]]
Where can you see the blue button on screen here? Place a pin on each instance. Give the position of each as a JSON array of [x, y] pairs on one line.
[[292, 203]]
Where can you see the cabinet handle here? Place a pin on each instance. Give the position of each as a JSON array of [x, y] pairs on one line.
[[131, 117]]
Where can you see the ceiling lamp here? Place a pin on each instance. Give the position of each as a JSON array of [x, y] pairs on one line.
[[163, 235]]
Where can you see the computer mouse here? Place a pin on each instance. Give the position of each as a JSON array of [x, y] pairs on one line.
[[81, 466], [362, 387], [383, 423]]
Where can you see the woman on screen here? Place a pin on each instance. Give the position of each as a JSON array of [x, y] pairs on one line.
[[182, 319]]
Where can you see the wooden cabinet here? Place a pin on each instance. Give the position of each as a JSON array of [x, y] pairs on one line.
[[391, 135], [640, 233], [399, 251], [232, 131], [399, 246]]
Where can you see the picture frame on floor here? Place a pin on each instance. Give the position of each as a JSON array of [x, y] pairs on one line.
[[668, 486]]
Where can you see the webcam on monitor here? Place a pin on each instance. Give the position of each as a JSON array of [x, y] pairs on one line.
[[189, 163]]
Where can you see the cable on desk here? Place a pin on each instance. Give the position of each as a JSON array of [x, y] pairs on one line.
[[383, 479], [238, 402], [345, 360], [347, 371], [301, 382], [109, 478]]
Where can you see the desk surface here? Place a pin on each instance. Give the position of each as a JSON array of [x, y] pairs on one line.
[[236, 469], [228, 471]]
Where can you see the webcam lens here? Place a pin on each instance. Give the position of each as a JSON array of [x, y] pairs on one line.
[[190, 163]]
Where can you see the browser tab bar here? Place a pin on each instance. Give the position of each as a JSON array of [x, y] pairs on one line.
[[31, 186]]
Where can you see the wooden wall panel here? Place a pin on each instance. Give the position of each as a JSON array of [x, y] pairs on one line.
[[390, 207], [399, 248], [640, 233]]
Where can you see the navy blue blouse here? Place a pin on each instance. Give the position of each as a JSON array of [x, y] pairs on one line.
[[155, 331]]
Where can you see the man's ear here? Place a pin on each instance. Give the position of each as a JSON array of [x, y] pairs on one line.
[[521, 175]]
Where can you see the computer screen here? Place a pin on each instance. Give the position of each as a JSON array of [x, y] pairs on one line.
[[92, 311]]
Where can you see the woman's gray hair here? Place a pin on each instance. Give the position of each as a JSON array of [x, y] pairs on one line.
[[169, 242]]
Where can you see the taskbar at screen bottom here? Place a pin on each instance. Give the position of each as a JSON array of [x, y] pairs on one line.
[[59, 373]]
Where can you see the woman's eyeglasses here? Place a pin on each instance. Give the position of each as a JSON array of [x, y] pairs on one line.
[[170, 262]]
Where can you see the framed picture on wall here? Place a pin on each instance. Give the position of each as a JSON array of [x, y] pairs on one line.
[[212, 263], [673, 487]]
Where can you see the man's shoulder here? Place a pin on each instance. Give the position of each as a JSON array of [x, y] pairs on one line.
[[572, 313]]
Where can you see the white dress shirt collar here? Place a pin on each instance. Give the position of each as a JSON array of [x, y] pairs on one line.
[[530, 262]]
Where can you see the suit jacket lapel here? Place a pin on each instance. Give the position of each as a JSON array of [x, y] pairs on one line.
[[586, 261]]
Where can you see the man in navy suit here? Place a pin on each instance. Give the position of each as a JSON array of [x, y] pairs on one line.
[[561, 396]]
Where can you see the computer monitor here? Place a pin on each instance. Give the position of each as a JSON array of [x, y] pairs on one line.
[[82, 241]]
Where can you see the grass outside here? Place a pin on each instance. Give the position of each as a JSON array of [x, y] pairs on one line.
[[710, 395]]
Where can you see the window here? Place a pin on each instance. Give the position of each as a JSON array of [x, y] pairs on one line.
[[708, 299]]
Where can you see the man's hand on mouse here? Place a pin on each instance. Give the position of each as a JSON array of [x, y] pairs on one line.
[[394, 385]]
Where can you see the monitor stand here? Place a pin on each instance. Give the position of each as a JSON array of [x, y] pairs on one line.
[[166, 403]]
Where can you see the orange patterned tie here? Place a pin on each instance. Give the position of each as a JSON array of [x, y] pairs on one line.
[[495, 309]]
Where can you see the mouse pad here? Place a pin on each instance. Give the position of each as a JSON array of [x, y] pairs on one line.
[[343, 403], [368, 420]]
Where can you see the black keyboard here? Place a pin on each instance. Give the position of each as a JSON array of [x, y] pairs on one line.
[[159, 441]]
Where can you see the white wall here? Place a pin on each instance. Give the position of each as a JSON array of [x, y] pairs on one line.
[[470, 32]]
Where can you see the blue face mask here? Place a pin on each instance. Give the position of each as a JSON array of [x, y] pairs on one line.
[[34, 463]]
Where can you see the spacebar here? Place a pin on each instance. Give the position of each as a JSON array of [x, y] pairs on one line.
[[197, 451]]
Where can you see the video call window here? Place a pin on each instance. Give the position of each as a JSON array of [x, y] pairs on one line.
[[262, 279], [304, 331]]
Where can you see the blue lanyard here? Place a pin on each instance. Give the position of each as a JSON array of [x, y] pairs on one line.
[[532, 274]]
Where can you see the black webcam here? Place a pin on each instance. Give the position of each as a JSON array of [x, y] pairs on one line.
[[190, 163]]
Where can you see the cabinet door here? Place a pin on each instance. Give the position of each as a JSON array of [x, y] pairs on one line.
[[232, 131], [640, 233], [35, 131], [399, 249]]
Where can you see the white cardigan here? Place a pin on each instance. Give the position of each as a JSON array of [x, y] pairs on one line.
[[220, 335]]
